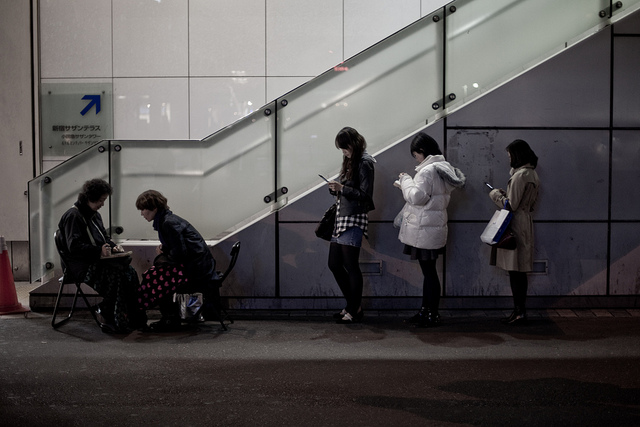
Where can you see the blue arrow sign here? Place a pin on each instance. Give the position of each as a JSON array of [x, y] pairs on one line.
[[95, 100]]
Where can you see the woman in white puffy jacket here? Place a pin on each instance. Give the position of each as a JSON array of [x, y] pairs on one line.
[[423, 228]]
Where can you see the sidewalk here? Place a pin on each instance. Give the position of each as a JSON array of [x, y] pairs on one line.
[[567, 367]]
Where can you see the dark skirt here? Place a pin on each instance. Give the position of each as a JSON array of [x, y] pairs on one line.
[[422, 254], [116, 283]]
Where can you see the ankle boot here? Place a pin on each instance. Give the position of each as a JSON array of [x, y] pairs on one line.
[[431, 319], [417, 318], [518, 317]]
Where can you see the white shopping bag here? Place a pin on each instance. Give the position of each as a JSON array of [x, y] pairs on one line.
[[496, 227], [189, 304]]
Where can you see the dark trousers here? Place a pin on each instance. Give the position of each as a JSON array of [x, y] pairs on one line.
[[343, 263], [519, 285]]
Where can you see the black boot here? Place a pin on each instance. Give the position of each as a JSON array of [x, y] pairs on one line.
[[518, 317], [170, 320], [417, 318], [432, 319]]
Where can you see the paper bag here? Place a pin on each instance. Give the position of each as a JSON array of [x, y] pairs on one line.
[[496, 227]]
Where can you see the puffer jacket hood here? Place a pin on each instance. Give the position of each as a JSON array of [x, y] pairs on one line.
[[447, 172]]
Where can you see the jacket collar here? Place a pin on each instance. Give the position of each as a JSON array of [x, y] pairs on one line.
[[514, 170], [159, 218], [84, 210]]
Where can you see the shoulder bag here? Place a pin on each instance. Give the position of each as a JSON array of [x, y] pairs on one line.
[[325, 227]]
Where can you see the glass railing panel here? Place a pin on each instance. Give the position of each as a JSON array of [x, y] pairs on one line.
[[51, 194], [620, 9], [384, 92], [489, 42], [218, 184]]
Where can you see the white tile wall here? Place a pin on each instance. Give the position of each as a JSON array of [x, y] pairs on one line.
[[278, 86], [227, 38], [75, 38], [429, 6], [150, 38], [203, 64], [359, 33], [151, 108], [304, 38], [219, 101]]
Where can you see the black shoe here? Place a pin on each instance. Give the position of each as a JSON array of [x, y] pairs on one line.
[[517, 317], [417, 318], [166, 324], [107, 324], [431, 320], [139, 321], [107, 328], [506, 320]]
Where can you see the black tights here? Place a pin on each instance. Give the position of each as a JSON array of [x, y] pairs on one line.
[[430, 285], [519, 285], [343, 263]]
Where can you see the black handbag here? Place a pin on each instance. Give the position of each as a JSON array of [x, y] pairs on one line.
[[325, 227]]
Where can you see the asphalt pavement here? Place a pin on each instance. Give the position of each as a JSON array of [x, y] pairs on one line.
[[301, 369]]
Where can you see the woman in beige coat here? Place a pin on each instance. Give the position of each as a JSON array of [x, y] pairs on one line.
[[521, 195]]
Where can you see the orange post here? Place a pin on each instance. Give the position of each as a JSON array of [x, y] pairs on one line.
[[8, 298]]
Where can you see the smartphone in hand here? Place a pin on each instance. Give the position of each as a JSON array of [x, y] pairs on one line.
[[489, 185], [323, 177]]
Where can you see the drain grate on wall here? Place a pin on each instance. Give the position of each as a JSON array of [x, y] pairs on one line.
[[540, 266], [371, 268]]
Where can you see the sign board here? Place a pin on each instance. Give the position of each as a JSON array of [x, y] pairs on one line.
[[74, 116]]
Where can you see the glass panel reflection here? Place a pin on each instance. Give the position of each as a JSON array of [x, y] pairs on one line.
[[51, 194], [489, 42], [384, 92], [218, 184]]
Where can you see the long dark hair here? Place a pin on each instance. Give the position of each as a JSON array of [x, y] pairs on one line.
[[349, 138], [425, 145], [521, 154], [93, 190]]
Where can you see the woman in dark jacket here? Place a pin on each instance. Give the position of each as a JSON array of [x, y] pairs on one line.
[[354, 193], [90, 259], [183, 259]]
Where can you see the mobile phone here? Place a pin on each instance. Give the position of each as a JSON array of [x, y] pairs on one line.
[[323, 177], [489, 185]]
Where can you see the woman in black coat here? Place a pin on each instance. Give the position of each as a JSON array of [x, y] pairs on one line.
[[184, 259], [90, 259]]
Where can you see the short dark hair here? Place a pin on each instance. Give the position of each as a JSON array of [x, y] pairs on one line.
[[521, 154], [150, 200], [425, 145], [93, 190]]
